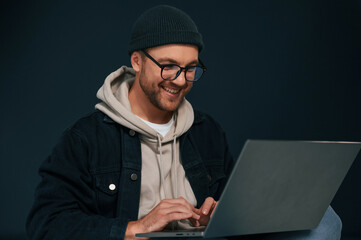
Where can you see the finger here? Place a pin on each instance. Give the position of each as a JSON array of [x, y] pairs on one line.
[[179, 200], [177, 208], [167, 203], [186, 203], [183, 200], [195, 223], [214, 208], [192, 220], [197, 211], [160, 216], [167, 206], [207, 205], [176, 216]]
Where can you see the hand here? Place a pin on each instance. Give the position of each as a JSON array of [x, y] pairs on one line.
[[166, 211], [206, 211]]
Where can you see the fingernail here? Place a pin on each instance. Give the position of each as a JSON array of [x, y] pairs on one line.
[[205, 211]]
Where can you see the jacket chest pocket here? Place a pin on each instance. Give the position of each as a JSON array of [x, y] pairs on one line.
[[107, 187]]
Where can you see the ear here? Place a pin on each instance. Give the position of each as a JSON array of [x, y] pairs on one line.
[[136, 61]]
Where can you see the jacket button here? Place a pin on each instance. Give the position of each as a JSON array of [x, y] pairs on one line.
[[131, 132], [134, 176], [112, 187]]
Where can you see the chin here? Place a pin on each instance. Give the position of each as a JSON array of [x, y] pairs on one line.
[[170, 107]]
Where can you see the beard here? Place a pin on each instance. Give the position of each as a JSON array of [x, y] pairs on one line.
[[153, 91]]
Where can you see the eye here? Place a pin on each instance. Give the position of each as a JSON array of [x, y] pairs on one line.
[[191, 69], [170, 68]]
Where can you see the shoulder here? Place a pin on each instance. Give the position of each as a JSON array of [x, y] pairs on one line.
[[207, 132], [92, 122], [94, 128], [90, 137], [89, 120], [205, 121]]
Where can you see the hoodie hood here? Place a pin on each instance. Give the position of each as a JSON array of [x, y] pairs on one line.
[[115, 103]]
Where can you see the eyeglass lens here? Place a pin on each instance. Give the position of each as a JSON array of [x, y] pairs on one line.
[[171, 72]]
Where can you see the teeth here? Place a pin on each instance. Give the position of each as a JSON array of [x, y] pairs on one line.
[[171, 90]]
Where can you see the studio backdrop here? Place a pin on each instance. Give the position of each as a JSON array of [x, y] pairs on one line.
[[276, 70]]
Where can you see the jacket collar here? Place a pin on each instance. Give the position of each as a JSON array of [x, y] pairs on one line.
[[108, 119], [198, 117]]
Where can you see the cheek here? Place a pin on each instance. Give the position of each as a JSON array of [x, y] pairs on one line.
[[149, 78], [153, 77], [189, 87], [154, 73]]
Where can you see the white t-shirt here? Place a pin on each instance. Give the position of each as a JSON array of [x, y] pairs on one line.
[[163, 129]]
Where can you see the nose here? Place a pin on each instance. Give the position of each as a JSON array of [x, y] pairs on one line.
[[180, 80]]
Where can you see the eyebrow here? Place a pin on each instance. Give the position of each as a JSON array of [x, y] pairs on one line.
[[175, 62]]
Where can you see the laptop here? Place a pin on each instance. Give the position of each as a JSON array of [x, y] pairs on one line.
[[277, 186]]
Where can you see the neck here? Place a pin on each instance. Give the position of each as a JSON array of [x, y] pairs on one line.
[[144, 109]]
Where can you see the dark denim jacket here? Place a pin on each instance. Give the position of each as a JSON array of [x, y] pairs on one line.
[[74, 200]]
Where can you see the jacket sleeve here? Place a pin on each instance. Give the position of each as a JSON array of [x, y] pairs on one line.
[[210, 140], [65, 202], [228, 162]]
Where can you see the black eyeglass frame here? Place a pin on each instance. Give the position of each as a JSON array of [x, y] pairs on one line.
[[162, 66]]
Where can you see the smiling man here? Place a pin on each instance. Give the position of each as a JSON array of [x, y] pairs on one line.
[[144, 160]]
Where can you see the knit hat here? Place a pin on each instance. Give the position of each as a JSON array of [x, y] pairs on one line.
[[163, 25]]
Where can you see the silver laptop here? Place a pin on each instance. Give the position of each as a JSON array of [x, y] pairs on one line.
[[277, 186]]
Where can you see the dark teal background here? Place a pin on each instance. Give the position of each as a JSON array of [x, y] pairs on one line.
[[276, 70]]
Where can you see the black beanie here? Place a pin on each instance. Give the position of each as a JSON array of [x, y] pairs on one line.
[[163, 25]]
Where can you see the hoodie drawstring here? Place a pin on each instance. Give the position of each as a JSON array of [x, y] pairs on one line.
[[174, 163], [162, 190]]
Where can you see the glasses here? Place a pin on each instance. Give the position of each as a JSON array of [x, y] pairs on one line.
[[170, 72]]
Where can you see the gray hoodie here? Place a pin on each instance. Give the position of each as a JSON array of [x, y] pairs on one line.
[[163, 175]]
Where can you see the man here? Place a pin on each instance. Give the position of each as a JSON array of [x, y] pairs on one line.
[[144, 160]]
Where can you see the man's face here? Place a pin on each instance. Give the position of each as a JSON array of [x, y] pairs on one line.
[[163, 94]]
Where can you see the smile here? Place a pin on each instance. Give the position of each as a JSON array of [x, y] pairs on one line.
[[173, 91]]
